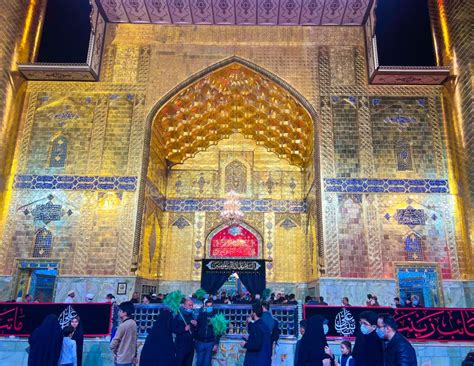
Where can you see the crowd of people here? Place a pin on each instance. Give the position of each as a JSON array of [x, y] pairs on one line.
[[179, 338], [378, 343], [247, 298]]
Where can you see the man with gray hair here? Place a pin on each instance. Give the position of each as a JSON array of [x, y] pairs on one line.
[[184, 327]]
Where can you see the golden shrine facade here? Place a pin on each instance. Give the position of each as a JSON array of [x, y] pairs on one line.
[[117, 184]]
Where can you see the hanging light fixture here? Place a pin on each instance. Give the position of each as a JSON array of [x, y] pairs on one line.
[[232, 212]]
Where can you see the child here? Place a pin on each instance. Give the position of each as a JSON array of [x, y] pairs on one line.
[[68, 351], [345, 359]]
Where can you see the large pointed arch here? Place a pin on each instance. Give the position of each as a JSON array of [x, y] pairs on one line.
[[292, 95]]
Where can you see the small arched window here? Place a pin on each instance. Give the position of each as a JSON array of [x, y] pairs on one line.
[[413, 247], [43, 242], [404, 156], [58, 152]]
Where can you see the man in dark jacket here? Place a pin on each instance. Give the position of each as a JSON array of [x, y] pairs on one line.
[[368, 348], [258, 344], [184, 328], [206, 341], [398, 351]]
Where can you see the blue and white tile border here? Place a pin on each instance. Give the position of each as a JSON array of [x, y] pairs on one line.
[[76, 182], [385, 185]]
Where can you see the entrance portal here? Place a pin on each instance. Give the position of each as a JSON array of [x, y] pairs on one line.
[[234, 127]]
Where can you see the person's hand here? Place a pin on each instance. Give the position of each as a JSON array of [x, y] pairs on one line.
[[249, 319], [326, 362], [214, 349], [194, 322], [187, 328], [242, 344]]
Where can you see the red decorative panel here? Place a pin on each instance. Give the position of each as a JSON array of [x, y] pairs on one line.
[[234, 242]]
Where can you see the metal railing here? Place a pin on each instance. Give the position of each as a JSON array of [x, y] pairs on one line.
[[287, 316]]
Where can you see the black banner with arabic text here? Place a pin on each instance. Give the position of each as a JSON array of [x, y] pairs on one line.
[[20, 319], [229, 266], [420, 324]]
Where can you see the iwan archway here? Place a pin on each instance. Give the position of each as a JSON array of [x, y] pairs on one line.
[[234, 126]]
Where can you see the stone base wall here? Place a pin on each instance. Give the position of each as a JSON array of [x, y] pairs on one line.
[[97, 353], [334, 289], [6, 283], [458, 294], [99, 286]]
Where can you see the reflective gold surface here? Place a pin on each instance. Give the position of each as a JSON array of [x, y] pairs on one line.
[[240, 127], [234, 99]]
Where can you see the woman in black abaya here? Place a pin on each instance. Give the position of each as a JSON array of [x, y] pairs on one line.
[[159, 349], [311, 349], [46, 342], [78, 336]]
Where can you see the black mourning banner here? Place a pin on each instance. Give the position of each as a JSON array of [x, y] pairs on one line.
[[215, 273], [420, 324], [20, 319], [255, 266]]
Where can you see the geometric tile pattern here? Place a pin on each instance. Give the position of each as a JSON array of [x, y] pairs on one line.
[[385, 185], [76, 182], [38, 264], [266, 205], [237, 12]]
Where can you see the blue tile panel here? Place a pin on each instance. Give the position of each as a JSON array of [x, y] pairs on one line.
[[385, 185], [184, 205], [76, 182]]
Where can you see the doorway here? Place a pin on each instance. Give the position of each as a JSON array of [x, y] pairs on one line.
[[420, 279]]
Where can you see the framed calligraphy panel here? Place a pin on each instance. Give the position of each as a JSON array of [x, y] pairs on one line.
[[417, 324], [21, 319], [234, 242]]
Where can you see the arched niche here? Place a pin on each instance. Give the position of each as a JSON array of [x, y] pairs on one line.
[[239, 241]]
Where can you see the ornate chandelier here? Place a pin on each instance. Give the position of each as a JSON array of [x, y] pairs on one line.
[[232, 212]]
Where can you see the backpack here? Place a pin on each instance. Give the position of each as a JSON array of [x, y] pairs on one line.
[[275, 336]]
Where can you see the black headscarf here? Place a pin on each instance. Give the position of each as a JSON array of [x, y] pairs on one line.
[[78, 336], [159, 349], [311, 349], [46, 342]]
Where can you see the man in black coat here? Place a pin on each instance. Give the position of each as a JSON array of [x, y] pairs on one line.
[[368, 347], [184, 328], [206, 342], [398, 351], [258, 344]]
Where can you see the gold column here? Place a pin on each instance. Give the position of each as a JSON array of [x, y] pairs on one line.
[[20, 30], [451, 26]]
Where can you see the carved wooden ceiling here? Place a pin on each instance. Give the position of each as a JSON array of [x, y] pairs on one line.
[[237, 12]]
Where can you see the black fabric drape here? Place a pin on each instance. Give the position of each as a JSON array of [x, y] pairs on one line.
[[254, 283], [46, 342], [212, 282], [78, 336]]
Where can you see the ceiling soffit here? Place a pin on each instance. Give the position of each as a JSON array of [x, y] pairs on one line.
[[234, 99], [237, 12]]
